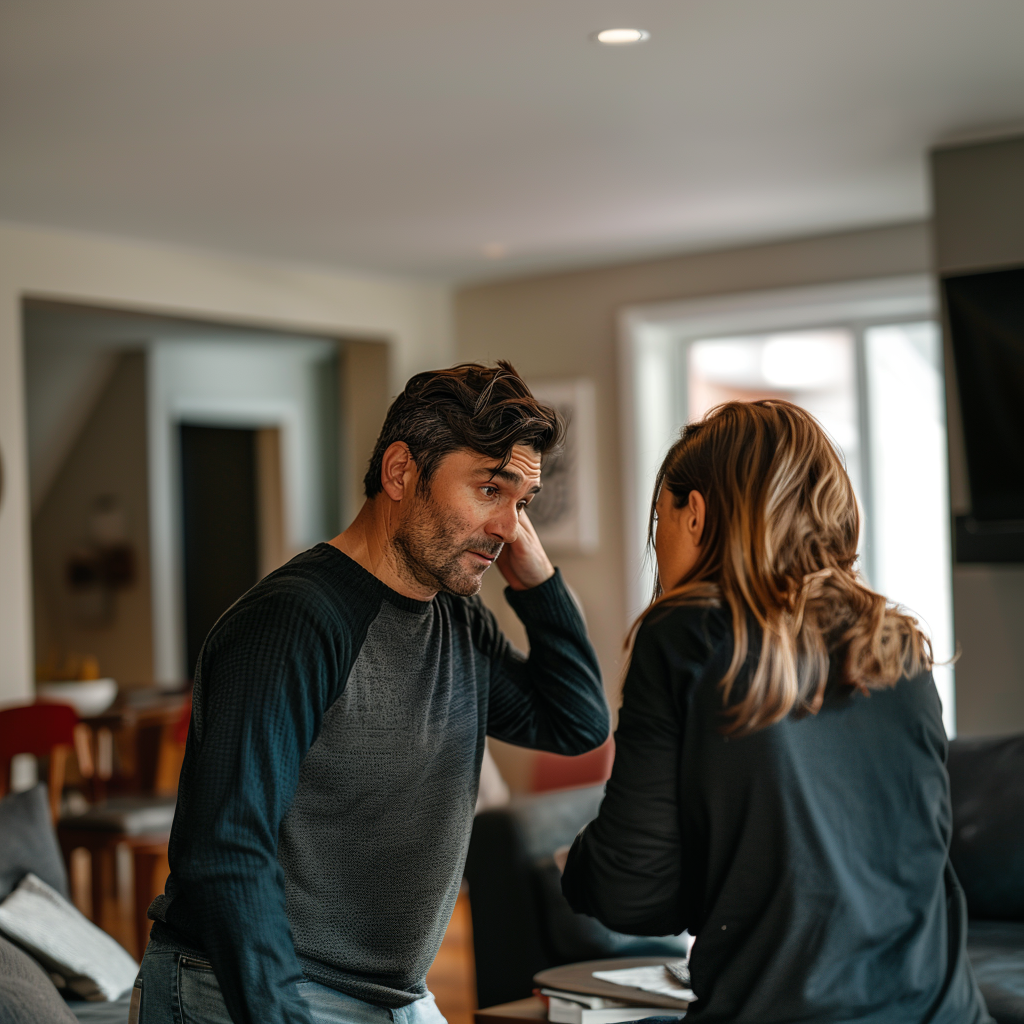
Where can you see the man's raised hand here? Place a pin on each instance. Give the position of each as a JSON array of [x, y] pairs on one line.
[[524, 563]]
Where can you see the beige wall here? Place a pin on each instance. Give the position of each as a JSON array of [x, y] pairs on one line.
[[979, 225], [564, 325], [413, 318], [108, 458]]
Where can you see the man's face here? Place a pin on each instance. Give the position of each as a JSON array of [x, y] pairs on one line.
[[449, 536]]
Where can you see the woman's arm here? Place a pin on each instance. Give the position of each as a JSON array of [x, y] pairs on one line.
[[626, 867]]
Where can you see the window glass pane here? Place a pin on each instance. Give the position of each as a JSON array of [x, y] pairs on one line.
[[813, 369], [910, 483]]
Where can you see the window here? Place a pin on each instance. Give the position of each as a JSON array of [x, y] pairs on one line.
[[865, 359]]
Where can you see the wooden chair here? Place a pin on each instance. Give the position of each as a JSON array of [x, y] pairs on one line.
[[46, 732], [142, 823]]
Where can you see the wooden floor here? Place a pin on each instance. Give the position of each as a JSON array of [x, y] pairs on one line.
[[452, 977]]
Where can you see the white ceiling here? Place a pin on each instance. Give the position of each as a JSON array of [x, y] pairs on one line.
[[406, 135]]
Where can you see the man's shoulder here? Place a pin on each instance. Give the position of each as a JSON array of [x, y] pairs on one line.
[[320, 588]]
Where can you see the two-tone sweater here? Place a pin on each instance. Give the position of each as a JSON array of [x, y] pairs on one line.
[[330, 775]]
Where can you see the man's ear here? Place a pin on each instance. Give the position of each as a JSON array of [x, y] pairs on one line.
[[398, 471], [696, 510]]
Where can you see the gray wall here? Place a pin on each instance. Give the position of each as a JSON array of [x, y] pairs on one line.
[[979, 225]]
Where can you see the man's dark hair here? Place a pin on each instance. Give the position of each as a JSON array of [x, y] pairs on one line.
[[470, 407]]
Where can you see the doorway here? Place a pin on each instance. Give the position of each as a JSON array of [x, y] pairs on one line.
[[220, 529]]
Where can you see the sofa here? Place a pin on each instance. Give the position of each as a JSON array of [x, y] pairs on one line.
[[522, 924], [28, 991]]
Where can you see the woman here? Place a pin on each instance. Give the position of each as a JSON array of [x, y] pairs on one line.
[[779, 786]]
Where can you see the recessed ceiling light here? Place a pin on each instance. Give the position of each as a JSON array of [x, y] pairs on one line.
[[621, 36]]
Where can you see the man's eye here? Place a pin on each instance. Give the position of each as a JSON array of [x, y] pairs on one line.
[[490, 491]]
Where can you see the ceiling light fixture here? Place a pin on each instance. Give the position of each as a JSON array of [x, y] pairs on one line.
[[621, 36]]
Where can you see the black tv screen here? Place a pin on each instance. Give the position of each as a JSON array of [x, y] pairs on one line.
[[986, 322]]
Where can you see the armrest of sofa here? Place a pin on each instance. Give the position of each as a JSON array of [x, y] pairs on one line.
[[508, 926], [522, 923]]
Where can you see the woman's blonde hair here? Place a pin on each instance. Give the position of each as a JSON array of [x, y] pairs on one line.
[[778, 548]]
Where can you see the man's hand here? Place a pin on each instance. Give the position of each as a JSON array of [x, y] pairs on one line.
[[524, 563]]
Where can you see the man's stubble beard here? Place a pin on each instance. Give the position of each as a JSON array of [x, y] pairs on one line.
[[431, 545]]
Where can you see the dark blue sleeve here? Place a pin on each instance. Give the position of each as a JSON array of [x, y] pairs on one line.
[[552, 700], [268, 674], [625, 867]]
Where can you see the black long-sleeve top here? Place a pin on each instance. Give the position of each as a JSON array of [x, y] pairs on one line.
[[810, 858], [331, 771]]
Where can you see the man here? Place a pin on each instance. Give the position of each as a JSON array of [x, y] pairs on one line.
[[339, 715]]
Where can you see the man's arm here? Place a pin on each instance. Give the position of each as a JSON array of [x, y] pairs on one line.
[[553, 700], [267, 679]]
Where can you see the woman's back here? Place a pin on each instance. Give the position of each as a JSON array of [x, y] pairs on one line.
[[809, 857]]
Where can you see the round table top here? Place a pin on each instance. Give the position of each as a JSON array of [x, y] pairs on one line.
[[580, 978]]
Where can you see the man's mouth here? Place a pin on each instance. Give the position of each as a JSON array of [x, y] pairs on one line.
[[482, 557]]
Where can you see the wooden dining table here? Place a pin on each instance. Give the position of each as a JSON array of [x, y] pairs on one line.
[[136, 727]]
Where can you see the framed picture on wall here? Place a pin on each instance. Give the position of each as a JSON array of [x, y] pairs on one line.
[[565, 511]]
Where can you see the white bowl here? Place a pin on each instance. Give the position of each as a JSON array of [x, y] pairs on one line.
[[89, 698]]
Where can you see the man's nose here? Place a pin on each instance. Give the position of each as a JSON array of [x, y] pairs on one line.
[[505, 525]]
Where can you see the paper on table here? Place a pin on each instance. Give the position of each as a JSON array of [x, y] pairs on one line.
[[649, 979]]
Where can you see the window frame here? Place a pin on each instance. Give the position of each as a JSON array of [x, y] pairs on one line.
[[654, 339]]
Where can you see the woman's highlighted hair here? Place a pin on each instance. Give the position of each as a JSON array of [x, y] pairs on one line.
[[778, 548]]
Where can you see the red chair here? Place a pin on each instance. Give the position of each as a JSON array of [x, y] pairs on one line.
[[555, 771], [47, 732]]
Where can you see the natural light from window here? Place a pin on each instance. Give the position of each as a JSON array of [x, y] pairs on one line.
[[888, 421]]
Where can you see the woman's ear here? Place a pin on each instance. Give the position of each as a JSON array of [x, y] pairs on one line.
[[694, 519]]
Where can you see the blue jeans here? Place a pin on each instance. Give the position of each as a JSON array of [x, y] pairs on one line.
[[177, 988]]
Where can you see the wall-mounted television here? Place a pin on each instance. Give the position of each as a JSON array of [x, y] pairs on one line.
[[985, 313]]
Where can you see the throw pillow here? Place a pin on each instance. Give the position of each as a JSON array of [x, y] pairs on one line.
[[65, 942], [29, 844], [27, 996]]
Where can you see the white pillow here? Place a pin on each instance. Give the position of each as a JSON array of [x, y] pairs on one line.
[[65, 942]]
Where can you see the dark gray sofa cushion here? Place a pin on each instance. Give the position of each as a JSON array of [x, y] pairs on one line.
[[27, 996], [29, 842], [986, 779], [996, 949]]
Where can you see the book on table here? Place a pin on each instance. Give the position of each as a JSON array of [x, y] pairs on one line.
[[666, 981], [577, 1008]]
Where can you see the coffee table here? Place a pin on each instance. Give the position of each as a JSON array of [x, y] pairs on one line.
[[580, 978]]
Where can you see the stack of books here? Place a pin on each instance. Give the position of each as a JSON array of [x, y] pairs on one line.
[[671, 981], [577, 1008]]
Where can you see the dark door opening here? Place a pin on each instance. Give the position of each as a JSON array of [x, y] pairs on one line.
[[219, 489]]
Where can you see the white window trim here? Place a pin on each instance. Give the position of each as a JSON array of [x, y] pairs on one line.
[[649, 337]]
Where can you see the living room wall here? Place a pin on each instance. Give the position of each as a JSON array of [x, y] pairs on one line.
[[108, 458], [565, 324], [413, 318]]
